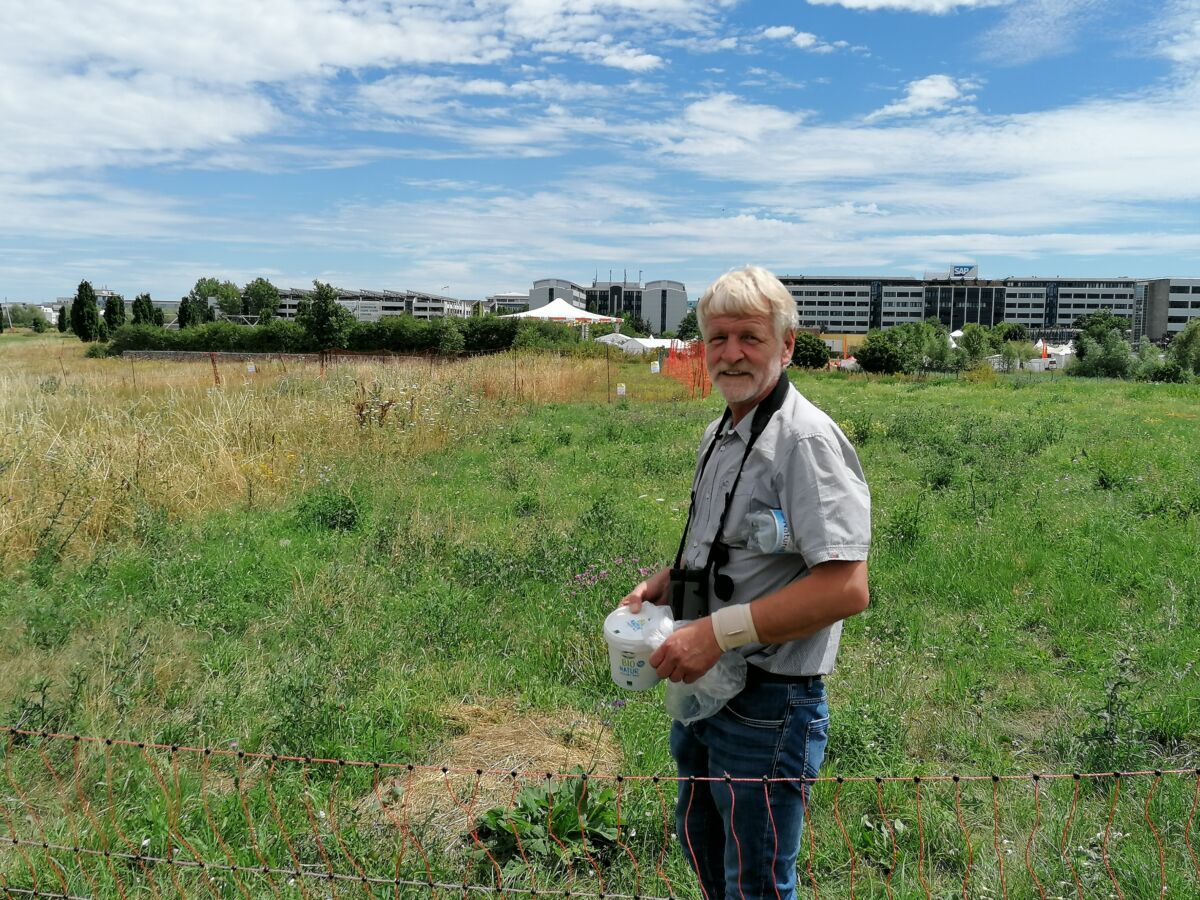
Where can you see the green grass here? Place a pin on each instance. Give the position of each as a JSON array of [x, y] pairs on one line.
[[1035, 593]]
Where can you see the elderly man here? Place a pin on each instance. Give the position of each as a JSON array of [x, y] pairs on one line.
[[779, 606]]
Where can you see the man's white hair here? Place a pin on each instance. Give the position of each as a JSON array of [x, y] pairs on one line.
[[752, 291]]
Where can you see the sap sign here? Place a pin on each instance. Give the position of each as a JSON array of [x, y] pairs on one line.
[[964, 272]]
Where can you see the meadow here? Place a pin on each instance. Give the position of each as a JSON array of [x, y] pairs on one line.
[[410, 563]]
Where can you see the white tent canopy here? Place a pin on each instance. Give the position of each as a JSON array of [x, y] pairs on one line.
[[559, 310], [615, 338]]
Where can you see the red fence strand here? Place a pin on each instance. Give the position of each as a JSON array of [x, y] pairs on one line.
[[685, 363], [104, 817]]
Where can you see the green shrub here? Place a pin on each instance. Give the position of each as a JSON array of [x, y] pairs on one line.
[[329, 508], [810, 352], [549, 823], [1169, 372]]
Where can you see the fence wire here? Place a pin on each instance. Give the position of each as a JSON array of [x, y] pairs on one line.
[[101, 817], [685, 363]]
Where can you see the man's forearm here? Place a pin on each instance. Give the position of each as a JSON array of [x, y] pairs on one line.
[[829, 593]]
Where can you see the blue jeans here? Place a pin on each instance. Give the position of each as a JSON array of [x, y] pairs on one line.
[[742, 838]]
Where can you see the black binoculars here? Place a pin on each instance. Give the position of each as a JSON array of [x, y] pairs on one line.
[[688, 588]]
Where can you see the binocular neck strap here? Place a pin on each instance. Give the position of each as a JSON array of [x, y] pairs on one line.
[[712, 445], [762, 415]]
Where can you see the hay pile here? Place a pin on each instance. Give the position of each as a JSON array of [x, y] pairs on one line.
[[496, 739]]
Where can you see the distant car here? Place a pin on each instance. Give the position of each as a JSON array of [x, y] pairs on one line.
[[1052, 363]]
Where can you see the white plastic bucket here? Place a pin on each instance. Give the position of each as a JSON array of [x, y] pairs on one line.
[[632, 638]]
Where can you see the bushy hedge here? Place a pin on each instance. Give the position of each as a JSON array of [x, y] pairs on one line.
[[391, 334]]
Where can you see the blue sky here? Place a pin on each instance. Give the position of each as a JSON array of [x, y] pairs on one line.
[[472, 146]]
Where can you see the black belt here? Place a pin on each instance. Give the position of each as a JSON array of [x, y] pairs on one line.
[[757, 675]]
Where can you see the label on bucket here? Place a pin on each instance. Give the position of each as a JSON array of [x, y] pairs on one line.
[[632, 638], [630, 666]]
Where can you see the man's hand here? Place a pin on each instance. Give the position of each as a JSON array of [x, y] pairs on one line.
[[652, 590], [688, 653]]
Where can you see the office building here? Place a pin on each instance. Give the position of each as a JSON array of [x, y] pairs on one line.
[[662, 303], [855, 304], [1171, 304], [371, 306]]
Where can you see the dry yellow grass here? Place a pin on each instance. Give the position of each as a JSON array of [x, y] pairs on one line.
[[494, 739], [90, 448]]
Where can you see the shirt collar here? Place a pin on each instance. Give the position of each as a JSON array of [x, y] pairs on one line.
[[742, 429]]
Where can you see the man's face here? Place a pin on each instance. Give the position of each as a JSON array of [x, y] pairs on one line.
[[744, 356]]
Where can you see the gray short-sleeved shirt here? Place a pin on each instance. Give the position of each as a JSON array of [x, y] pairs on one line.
[[803, 465]]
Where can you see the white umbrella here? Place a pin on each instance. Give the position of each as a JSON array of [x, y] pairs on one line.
[[559, 310]]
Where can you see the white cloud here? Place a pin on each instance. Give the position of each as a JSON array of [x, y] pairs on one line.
[[936, 7], [74, 208], [512, 239], [723, 122], [96, 119], [169, 81], [618, 56], [805, 40], [709, 44], [1035, 29], [581, 20], [424, 96], [1073, 172], [933, 93], [224, 41], [1180, 32]]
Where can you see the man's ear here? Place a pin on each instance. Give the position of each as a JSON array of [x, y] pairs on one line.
[[789, 345]]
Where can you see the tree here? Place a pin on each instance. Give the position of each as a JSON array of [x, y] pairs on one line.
[[85, 317], [39, 325], [326, 322], [160, 318], [1101, 322], [143, 310], [183, 318], [1108, 357], [810, 351], [114, 312], [260, 298], [1010, 356], [1184, 350], [450, 339], [20, 315], [634, 325], [201, 309], [881, 353], [1097, 326], [229, 299], [1012, 331], [974, 342], [61, 320], [689, 328]]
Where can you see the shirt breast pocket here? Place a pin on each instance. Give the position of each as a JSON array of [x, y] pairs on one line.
[[745, 501]]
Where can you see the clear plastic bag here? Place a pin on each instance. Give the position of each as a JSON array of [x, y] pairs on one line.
[[688, 703]]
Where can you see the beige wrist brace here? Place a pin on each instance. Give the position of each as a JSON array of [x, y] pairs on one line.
[[734, 626]]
